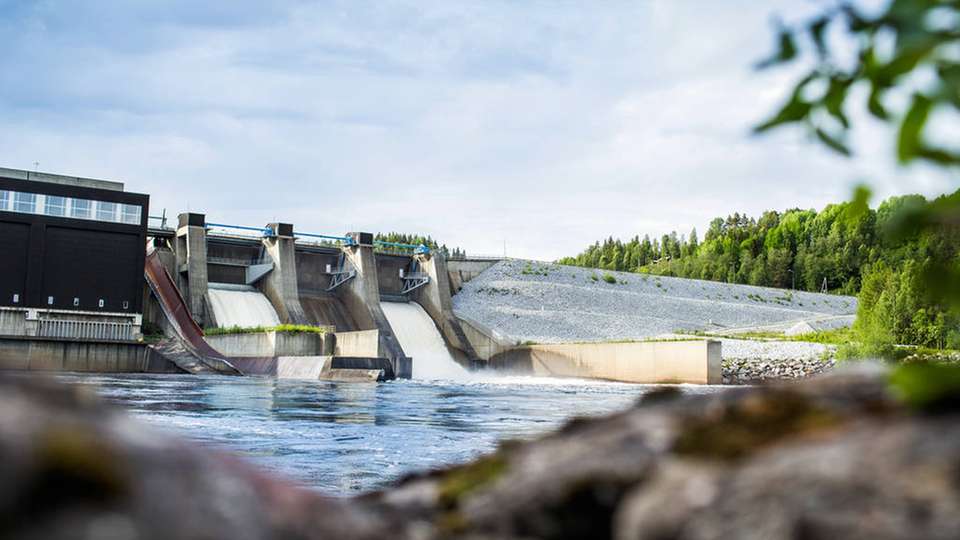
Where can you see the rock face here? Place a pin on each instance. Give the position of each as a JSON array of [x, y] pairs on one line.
[[832, 457], [75, 467]]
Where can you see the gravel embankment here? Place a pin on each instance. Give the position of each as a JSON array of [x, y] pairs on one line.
[[549, 303]]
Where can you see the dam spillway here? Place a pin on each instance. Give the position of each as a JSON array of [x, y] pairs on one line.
[[241, 306], [419, 337]]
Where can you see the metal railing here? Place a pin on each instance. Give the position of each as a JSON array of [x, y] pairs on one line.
[[326, 239], [227, 261], [466, 257], [265, 232], [399, 247], [93, 330]]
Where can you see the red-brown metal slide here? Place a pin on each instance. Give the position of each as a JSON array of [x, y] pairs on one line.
[[190, 352]]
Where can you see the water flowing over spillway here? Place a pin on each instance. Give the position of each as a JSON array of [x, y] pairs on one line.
[[421, 340], [240, 305]]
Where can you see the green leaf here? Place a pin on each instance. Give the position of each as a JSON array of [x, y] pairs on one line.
[[787, 50], [833, 142], [874, 104], [794, 110], [938, 155], [927, 387], [855, 22], [860, 204], [950, 74], [835, 97], [817, 30], [909, 140]]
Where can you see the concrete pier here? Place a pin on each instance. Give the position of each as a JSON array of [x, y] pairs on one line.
[[190, 248], [362, 295], [435, 299], [280, 284]]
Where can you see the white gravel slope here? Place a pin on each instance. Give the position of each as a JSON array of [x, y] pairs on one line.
[[549, 303]]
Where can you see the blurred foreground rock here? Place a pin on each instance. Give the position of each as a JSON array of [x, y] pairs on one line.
[[832, 457]]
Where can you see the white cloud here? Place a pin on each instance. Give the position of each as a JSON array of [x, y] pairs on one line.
[[544, 124]]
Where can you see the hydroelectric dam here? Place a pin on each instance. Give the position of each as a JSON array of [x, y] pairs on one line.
[[92, 283]]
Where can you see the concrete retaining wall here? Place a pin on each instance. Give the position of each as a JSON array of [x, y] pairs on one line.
[[268, 344], [694, 362], [485, 342], [285, 367], [461, 272], [435, 299], [362, 343], [38, 354]]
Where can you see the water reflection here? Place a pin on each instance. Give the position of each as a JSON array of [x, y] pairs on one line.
[[342, 437]]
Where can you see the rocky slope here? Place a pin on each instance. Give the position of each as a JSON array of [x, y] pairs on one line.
[[838, 456], [549, 303]]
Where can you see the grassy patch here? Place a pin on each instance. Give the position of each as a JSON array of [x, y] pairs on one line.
[[283, 328], [609, 278], [838, 336]]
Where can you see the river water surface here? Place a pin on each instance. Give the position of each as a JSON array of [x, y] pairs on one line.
[[343, 438]]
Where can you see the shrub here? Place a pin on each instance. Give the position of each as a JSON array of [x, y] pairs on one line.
[[283, 328], [609, 278]]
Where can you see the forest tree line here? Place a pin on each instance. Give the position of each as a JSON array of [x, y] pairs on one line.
[[419, 239], [844, 248]]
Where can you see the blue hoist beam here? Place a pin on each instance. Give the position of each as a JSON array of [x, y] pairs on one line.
[[265, 231], [419, 250], [347, 241]]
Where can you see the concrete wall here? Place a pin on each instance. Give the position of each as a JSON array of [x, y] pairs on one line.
[[262, 344], [312, 274], [363, 343], [38, 354], [286, 367], [388, 272], [460, 272], [362, 296], [485, 342], [436, 301], [695, 362]]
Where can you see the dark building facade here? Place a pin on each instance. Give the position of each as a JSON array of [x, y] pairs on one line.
[[71, 243]]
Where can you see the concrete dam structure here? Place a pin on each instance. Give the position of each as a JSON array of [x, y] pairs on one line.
[[261, 277], [86, 272]]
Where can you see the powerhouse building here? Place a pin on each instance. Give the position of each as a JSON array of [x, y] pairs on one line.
[[70, 245]]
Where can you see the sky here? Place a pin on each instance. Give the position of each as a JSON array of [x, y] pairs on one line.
[[531, 128]]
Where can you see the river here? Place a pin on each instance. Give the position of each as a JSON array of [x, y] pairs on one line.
[[345, 438]]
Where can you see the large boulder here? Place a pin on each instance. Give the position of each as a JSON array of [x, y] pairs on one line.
[[839, 456]]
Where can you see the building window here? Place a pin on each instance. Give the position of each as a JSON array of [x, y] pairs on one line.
[[80, 208], [55, 206], [130, 214], [106, 211], [24, 202], [4, 199]]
